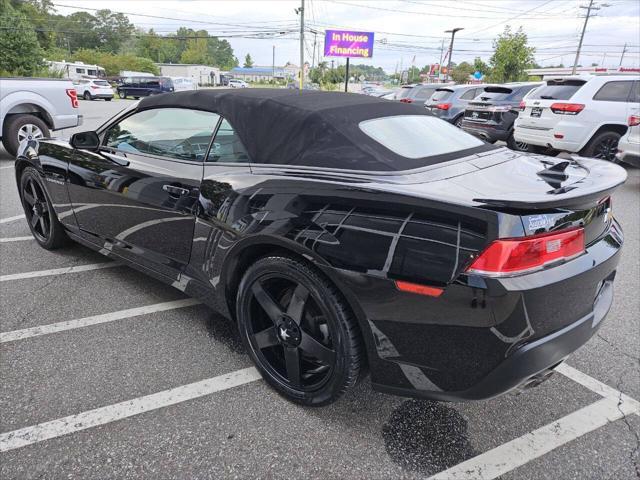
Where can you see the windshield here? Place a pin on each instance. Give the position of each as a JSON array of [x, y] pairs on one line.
[[418, 136], [102, 83]]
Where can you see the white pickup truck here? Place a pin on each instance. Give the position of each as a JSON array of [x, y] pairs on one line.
[[32, 107]]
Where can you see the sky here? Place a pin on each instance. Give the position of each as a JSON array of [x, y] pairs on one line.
[[406, 31]]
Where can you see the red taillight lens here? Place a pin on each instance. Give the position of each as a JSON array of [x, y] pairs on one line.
[[522, 106], [406, 100], [634, 120], [567, 108], [516, 256], [72, 94], [443, 106]]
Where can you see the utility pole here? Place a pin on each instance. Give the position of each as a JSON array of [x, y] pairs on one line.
[[313, 59], [623, 52], [301, 44], [589, 8], [453, 34], [273, 64]]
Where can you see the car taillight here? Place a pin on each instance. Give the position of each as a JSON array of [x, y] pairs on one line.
[[94, 87], [73, 95], [443, 106], [567, 108], [522, 106], [634, 120], [516, 256], [406, 100]]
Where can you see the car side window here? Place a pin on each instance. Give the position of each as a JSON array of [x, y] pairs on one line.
[[614, 91], [177, 133], [469, 94], [227, 146], [635, 92]]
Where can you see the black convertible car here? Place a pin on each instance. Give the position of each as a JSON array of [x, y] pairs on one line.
[[343, 233]]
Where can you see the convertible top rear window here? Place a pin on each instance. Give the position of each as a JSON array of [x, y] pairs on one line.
[[418, 136]]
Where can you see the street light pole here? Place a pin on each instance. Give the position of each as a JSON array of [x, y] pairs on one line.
[[301, 44], [453, 34]]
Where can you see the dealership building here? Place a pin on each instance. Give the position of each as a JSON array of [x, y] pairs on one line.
[[200, 74]]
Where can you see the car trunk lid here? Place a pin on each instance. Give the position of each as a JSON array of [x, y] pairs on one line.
[[538, 113]]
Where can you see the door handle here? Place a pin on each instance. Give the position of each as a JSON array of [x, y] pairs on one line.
[[173, 190]]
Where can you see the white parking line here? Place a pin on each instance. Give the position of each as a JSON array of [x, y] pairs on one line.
[[95, 320], [59, 271], [129, 408], [11, 219], [15, 239], [511, 455], [4, 167]]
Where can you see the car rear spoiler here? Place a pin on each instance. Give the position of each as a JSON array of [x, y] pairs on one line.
[[603, 178]]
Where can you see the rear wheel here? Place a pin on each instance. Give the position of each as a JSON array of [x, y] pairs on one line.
[[87, 96], [603, 146], [458, 122], [298, 331], [22, 127], [122, 94], [41, 218], [513, 144]]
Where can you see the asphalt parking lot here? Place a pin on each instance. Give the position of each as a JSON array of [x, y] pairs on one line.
[[106, 373]]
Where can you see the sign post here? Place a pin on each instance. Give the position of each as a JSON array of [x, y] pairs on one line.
[[346, 43]]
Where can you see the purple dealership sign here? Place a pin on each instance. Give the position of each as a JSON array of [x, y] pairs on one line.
[[343, 43]]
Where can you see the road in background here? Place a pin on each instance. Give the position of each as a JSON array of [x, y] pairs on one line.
[[112, 358]]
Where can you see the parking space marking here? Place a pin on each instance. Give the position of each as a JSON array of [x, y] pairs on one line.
[[522, 450], [11, 219], [95, 320], [6, 167], [129, 408], [15, 239], [59, 271]]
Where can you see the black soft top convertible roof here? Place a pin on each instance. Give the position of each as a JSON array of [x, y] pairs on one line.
[[289, 127]]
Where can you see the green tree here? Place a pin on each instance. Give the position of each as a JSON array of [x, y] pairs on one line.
[[248, 63], [197, 50], [460, 73], [112, 29], [20, 52], [78, 30], [480, 66], [114, 63], [511, 56]]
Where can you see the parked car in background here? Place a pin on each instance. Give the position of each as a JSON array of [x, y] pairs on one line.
[[403, 92], [137, 87], [91, 89], [585, 114], [629, 145], [450, 102], [181, 84], [237, 83], [491, 115], [30, 108], [420, 93]]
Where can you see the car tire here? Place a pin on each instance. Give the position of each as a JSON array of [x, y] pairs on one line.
[[41, 217], [603, 146], [458, 121], [518, 146], [122, 94], [87, 96], [310, 351], [18, 127]]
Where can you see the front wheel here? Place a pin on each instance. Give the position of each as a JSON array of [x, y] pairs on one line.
[[122, 94], [298, 331], [87, 96], [603, 146], [40, 215]]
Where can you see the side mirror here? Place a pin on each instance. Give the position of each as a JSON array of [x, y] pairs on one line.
[[85, 141]]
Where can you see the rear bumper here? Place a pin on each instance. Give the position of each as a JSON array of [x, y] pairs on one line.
[[487, 131], [574, 135], [629, 152], [529, 360]]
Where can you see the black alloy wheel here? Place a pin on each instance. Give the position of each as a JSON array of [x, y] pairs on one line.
[[87, 96], [298, 331], [603, 146], [41, 217]]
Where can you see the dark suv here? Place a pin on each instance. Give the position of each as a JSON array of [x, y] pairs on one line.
[[137, 87], [490, 116], [449, 102]]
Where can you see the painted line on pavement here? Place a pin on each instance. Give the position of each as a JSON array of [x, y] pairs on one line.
[[129, 408], [95, 320], [4, 167], [15, 239], [517, 452], [11, 219], [59, 271]]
